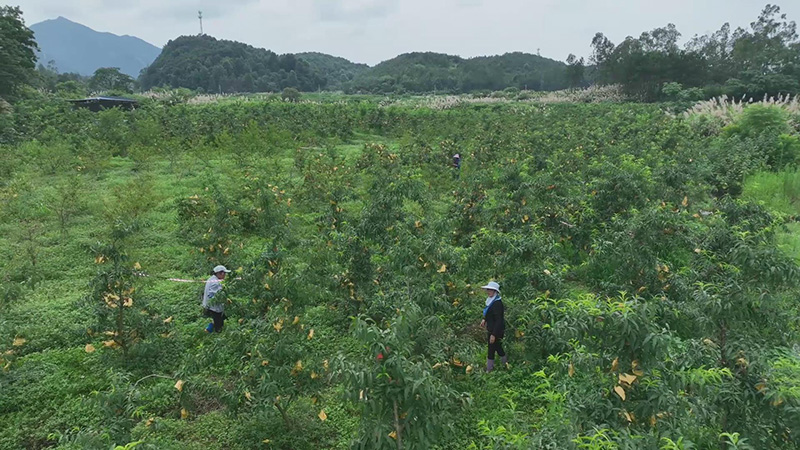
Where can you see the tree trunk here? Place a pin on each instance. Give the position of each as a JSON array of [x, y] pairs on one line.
[[398, 429], [283, 414]]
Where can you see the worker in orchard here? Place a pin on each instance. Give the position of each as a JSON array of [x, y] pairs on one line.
[[213, 303], [494, 322]]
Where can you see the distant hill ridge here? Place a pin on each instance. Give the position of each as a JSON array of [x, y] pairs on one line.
[[222, 66], [79, 49], [428, 71], [217, 65]]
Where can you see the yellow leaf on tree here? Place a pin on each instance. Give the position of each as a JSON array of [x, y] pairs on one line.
[[325, 365], [442, 269], [314, 375], [469, 369], [168, 319], [615, 364], [571, 370], [128, 302], [685, 201], [296, 320], [247, 395], [266, 441], [137, 266], [298, 367], [179, 385], [629, 416], [111, 344], [89, 348], [311, 334], [322, 416], [761, 387], [19, 342], [393, 435], [184, 413], [265, 362], [149, 422], [620, 392], [626, 378], [278, 325], [742, 362]]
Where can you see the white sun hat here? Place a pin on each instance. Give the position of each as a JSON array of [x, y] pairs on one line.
[[492, 285], [219, 269]]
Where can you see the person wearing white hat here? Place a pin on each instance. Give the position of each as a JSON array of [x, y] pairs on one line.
[[457, 164], [212, 308], [494, 321]]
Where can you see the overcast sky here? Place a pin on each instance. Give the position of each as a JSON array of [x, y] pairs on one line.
[[371, 31]]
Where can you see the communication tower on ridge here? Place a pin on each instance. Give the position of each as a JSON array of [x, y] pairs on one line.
[[200, 16]]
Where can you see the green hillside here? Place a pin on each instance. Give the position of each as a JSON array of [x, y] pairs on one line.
[[336, 71], [219, 66], [436, 72]]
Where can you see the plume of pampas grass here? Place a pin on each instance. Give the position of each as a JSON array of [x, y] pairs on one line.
[[727, 109]]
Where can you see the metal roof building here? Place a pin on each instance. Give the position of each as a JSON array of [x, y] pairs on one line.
[[100, 103]]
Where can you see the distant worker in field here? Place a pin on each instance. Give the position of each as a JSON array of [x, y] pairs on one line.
[[457, 164], [495, 324], [213, 304]]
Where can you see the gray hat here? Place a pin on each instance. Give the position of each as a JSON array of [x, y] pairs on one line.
[[219, 269], [492, 285]]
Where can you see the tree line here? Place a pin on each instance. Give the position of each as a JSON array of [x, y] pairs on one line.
[[763, 59]]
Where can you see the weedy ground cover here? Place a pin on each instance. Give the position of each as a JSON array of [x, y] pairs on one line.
[[647, 262]]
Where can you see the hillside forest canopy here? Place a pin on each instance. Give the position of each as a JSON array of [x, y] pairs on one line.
[[762, 59]]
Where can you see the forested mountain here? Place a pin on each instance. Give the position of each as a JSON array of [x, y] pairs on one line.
[[337, 71], [215, 65], [212, 65], [76, 48], [436, 72]]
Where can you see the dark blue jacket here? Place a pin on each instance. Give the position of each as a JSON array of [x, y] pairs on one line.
[[495, 319]]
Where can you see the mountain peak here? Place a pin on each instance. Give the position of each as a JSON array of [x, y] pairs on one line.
[[74, 47]]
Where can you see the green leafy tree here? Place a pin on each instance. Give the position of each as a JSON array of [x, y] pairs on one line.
[[67, 201], [575, 71], [121, 311], [403, 404], [17, 51], [291, 94], [111, 79]]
